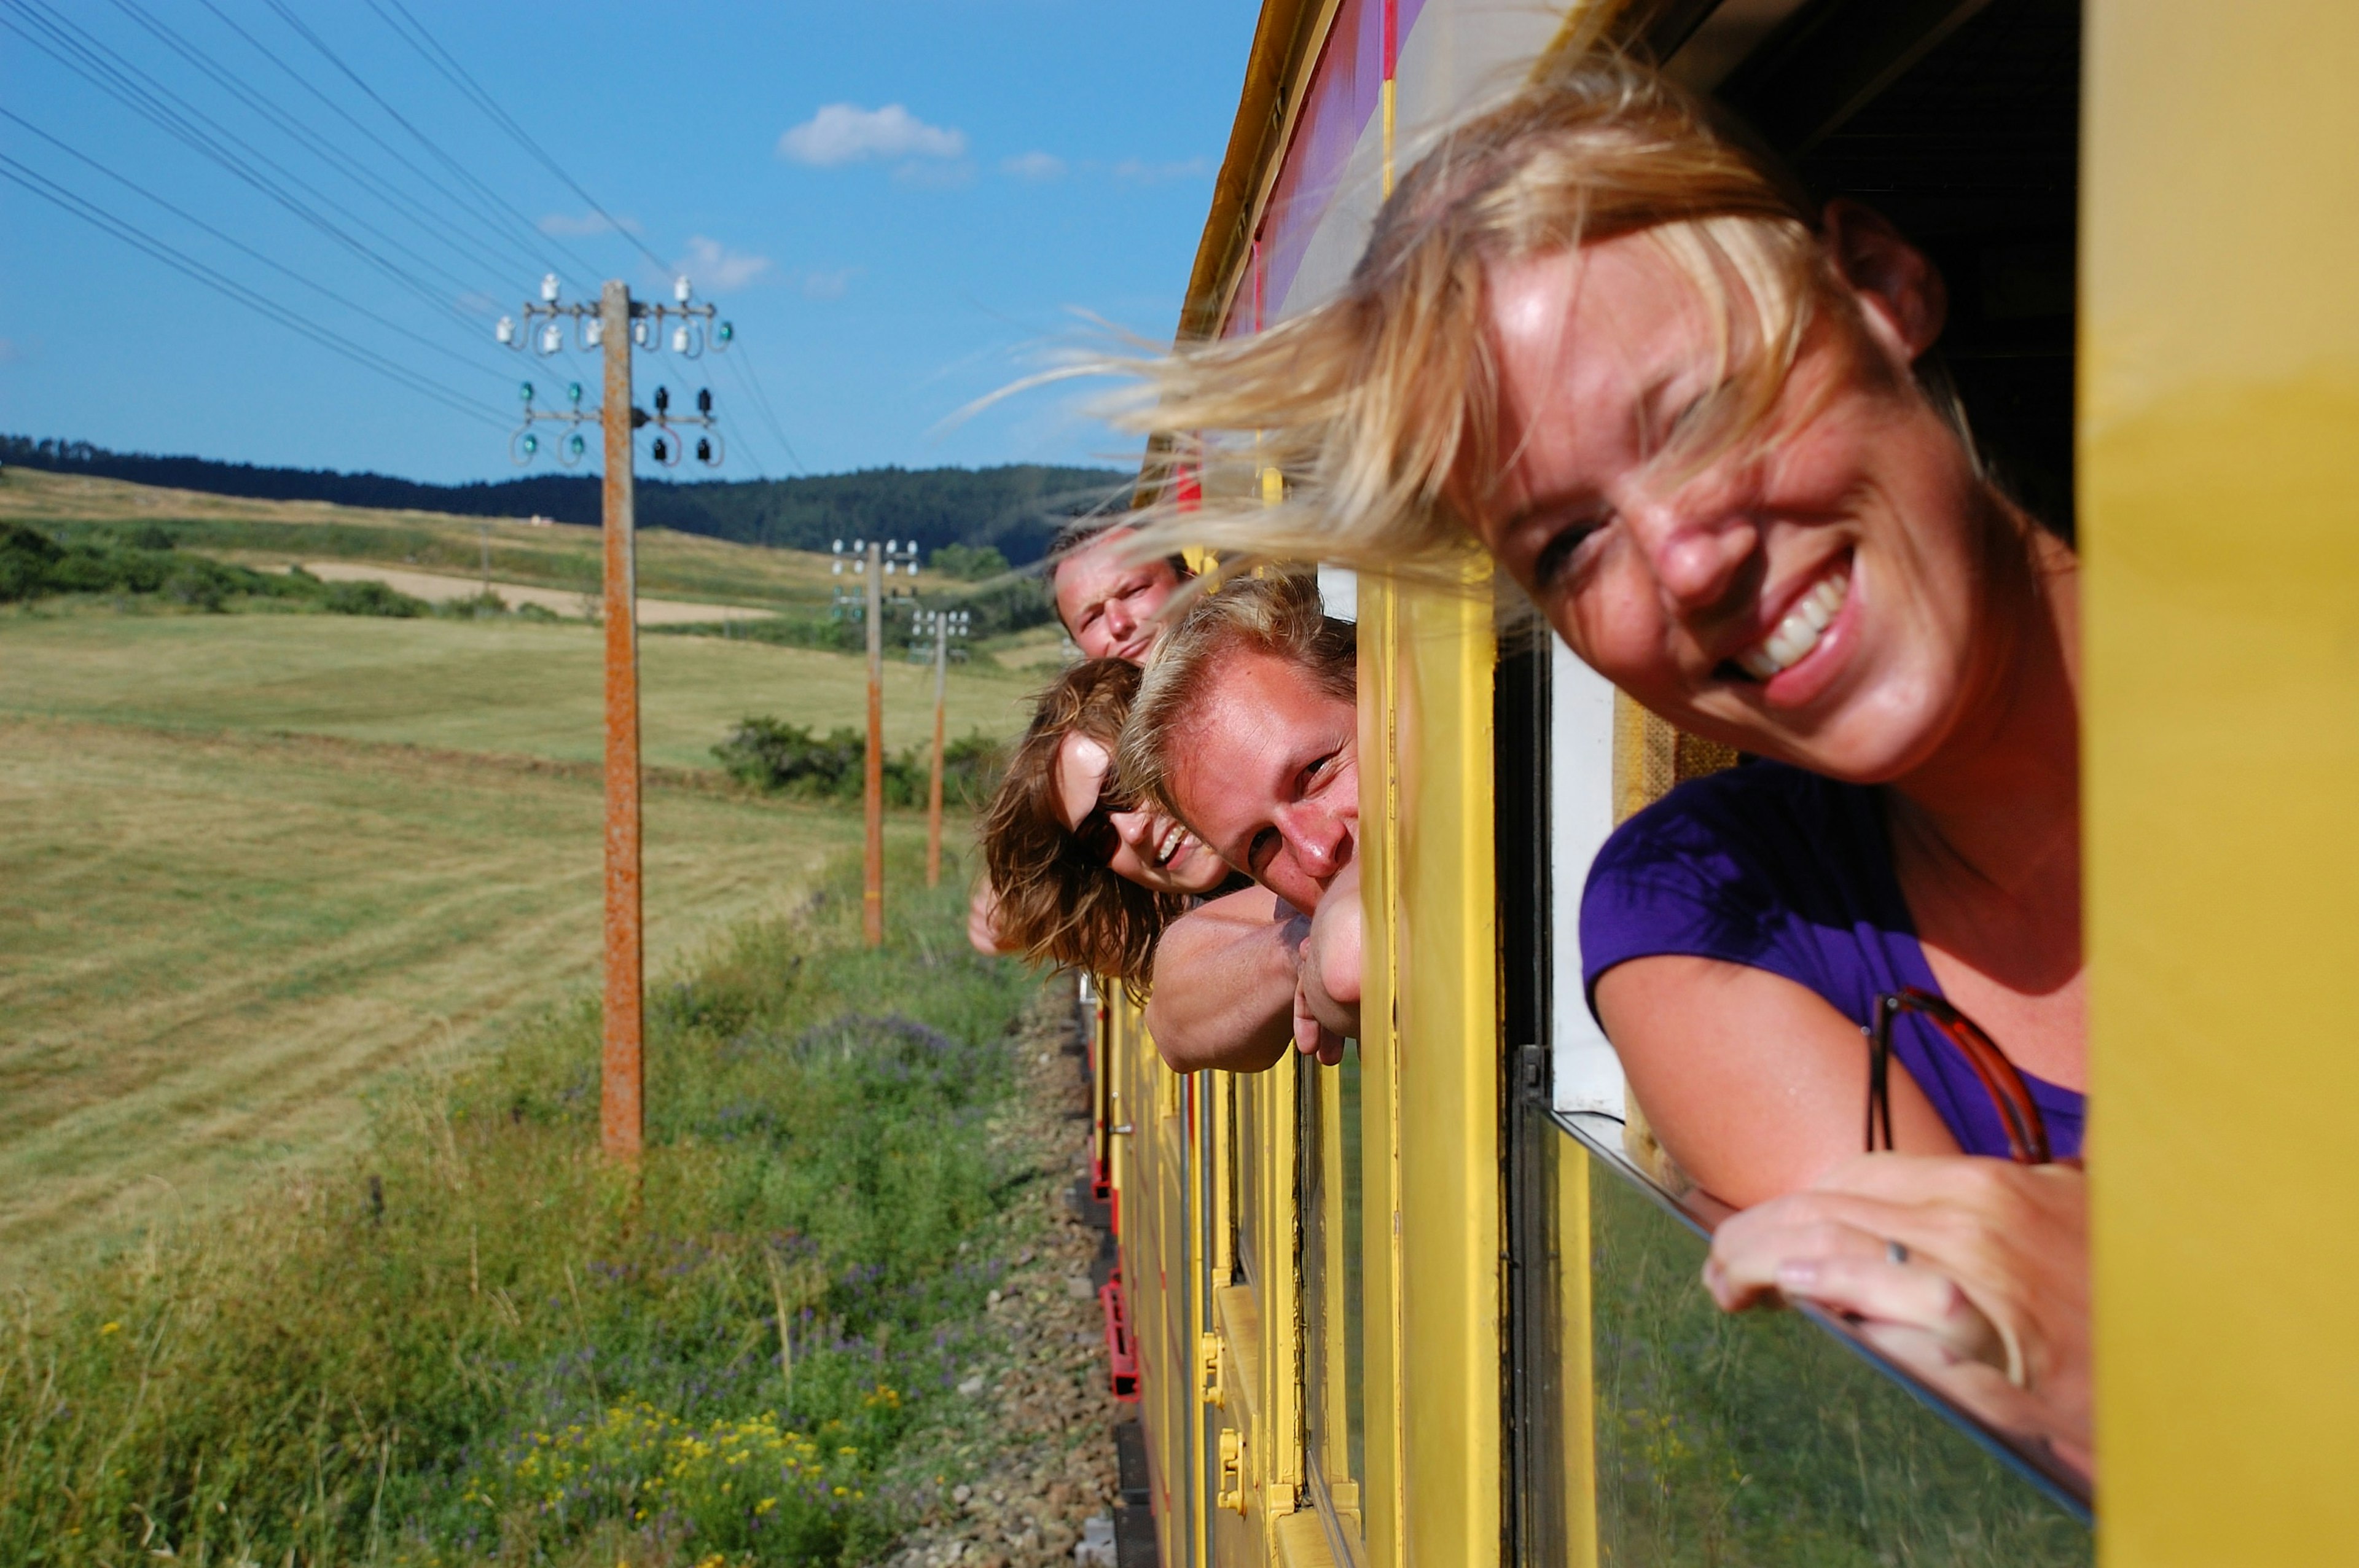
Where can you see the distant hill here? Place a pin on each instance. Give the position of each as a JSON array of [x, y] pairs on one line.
[[1014, 508]]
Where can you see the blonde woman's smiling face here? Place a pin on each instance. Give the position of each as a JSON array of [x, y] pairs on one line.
[[1806, 592], [1140, 845]]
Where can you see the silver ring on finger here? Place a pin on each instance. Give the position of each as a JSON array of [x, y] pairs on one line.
[[1895, 1251]]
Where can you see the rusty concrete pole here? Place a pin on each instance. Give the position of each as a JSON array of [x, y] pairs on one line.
[[621, 1113], [934, 789], [872, 895]]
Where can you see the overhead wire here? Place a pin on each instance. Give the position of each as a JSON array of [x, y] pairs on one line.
[[417, 38], [131, 233], [441, 157], [541, 235], [240, 245], [149, 105], [479, 250]]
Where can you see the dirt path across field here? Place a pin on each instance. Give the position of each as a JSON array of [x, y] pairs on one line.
[[437, 588]]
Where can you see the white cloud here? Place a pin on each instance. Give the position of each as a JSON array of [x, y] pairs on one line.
[[828, 285], [714, 268], [1138, 172], [947, 176], [846, 133], [1034, 165], [566, 226]]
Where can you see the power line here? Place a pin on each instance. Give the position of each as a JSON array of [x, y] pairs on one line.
[[235, 243], [91, 213], [150, 104], [312, 141], [445, 159], [540, 236], [456, 74]]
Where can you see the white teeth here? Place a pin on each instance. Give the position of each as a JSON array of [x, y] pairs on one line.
[[1173, 838], [1800, 631]]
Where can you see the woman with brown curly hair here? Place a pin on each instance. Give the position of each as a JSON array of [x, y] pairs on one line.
[[1083, 875]]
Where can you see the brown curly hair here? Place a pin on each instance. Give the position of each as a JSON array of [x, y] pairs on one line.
[[1057, 900]]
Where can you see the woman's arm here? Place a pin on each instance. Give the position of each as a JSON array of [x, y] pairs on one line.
[[1225, 984], [1755, 1084], [1973, 1273]]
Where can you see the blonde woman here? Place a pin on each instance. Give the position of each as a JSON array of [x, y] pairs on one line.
[[1697, 419]]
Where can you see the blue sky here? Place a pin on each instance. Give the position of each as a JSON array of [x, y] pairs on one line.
[[900, 204]]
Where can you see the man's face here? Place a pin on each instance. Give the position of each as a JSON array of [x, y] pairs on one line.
[[1107, 606], [1269, 775]]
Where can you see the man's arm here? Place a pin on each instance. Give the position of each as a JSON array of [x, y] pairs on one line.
[[1224, 983]]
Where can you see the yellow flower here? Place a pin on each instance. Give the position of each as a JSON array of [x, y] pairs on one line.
[[765, 1505], [106, 1329]]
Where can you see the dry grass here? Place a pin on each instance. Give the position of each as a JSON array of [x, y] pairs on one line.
[[489, 686], [211, 947], [559, 556]]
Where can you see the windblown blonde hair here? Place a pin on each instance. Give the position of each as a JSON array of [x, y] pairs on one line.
[[1279, 615], [1058, 901], [1380, 406]]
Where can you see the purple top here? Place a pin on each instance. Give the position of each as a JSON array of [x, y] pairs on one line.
[[1780, 869]]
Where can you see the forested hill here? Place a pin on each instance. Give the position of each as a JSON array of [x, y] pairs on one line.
[[1014, 508]]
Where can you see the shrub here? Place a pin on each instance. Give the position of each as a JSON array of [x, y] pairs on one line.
[[780, 758], [366, 596], [969, 563]]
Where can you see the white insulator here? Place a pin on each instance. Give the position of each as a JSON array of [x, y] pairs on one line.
[[889, 567], [551, 338], [679, 289], [679, 339], [594, 335], [505, 330], [549, 289]]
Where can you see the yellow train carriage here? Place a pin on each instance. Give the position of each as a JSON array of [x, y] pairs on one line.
[[1426, 1308]]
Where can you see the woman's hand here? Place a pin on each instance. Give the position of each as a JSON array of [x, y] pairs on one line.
[[1985, 1295]]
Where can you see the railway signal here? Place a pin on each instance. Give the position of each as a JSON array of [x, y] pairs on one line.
[[613, 325], [943, 624]]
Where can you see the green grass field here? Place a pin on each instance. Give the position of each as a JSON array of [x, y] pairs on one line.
[[211, 948], [274, 533], [518, 689]]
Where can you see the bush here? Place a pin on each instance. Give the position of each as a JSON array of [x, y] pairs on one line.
[[143, 563], [366, 596], [779, 758], [969, 563]]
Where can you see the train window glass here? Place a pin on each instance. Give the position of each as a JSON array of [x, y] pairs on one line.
[[1328, 1186], [1756, 1437], [1249, 1089], [1585, 1074]]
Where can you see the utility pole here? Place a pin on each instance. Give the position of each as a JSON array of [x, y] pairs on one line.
[[613, 325], [946, 624], [622, 1112], [872, 887]]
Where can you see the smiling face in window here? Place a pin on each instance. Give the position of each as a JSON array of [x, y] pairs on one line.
[[1813, 588], [1136, 842], [1268, 772], [1109, 606]]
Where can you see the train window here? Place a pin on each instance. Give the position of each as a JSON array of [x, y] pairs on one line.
[[1334, 1354], [1771, 1436]]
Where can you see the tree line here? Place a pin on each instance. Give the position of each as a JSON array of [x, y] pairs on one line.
[[1014, 508]]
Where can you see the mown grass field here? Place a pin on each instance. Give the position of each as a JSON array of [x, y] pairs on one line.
[[274, 532], [519, 688], [212, 947]]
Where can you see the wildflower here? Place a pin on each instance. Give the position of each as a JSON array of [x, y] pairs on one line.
[[765, 1505], [106, 1329]]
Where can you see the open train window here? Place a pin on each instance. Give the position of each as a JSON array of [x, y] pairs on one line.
[[1766, 1435]]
